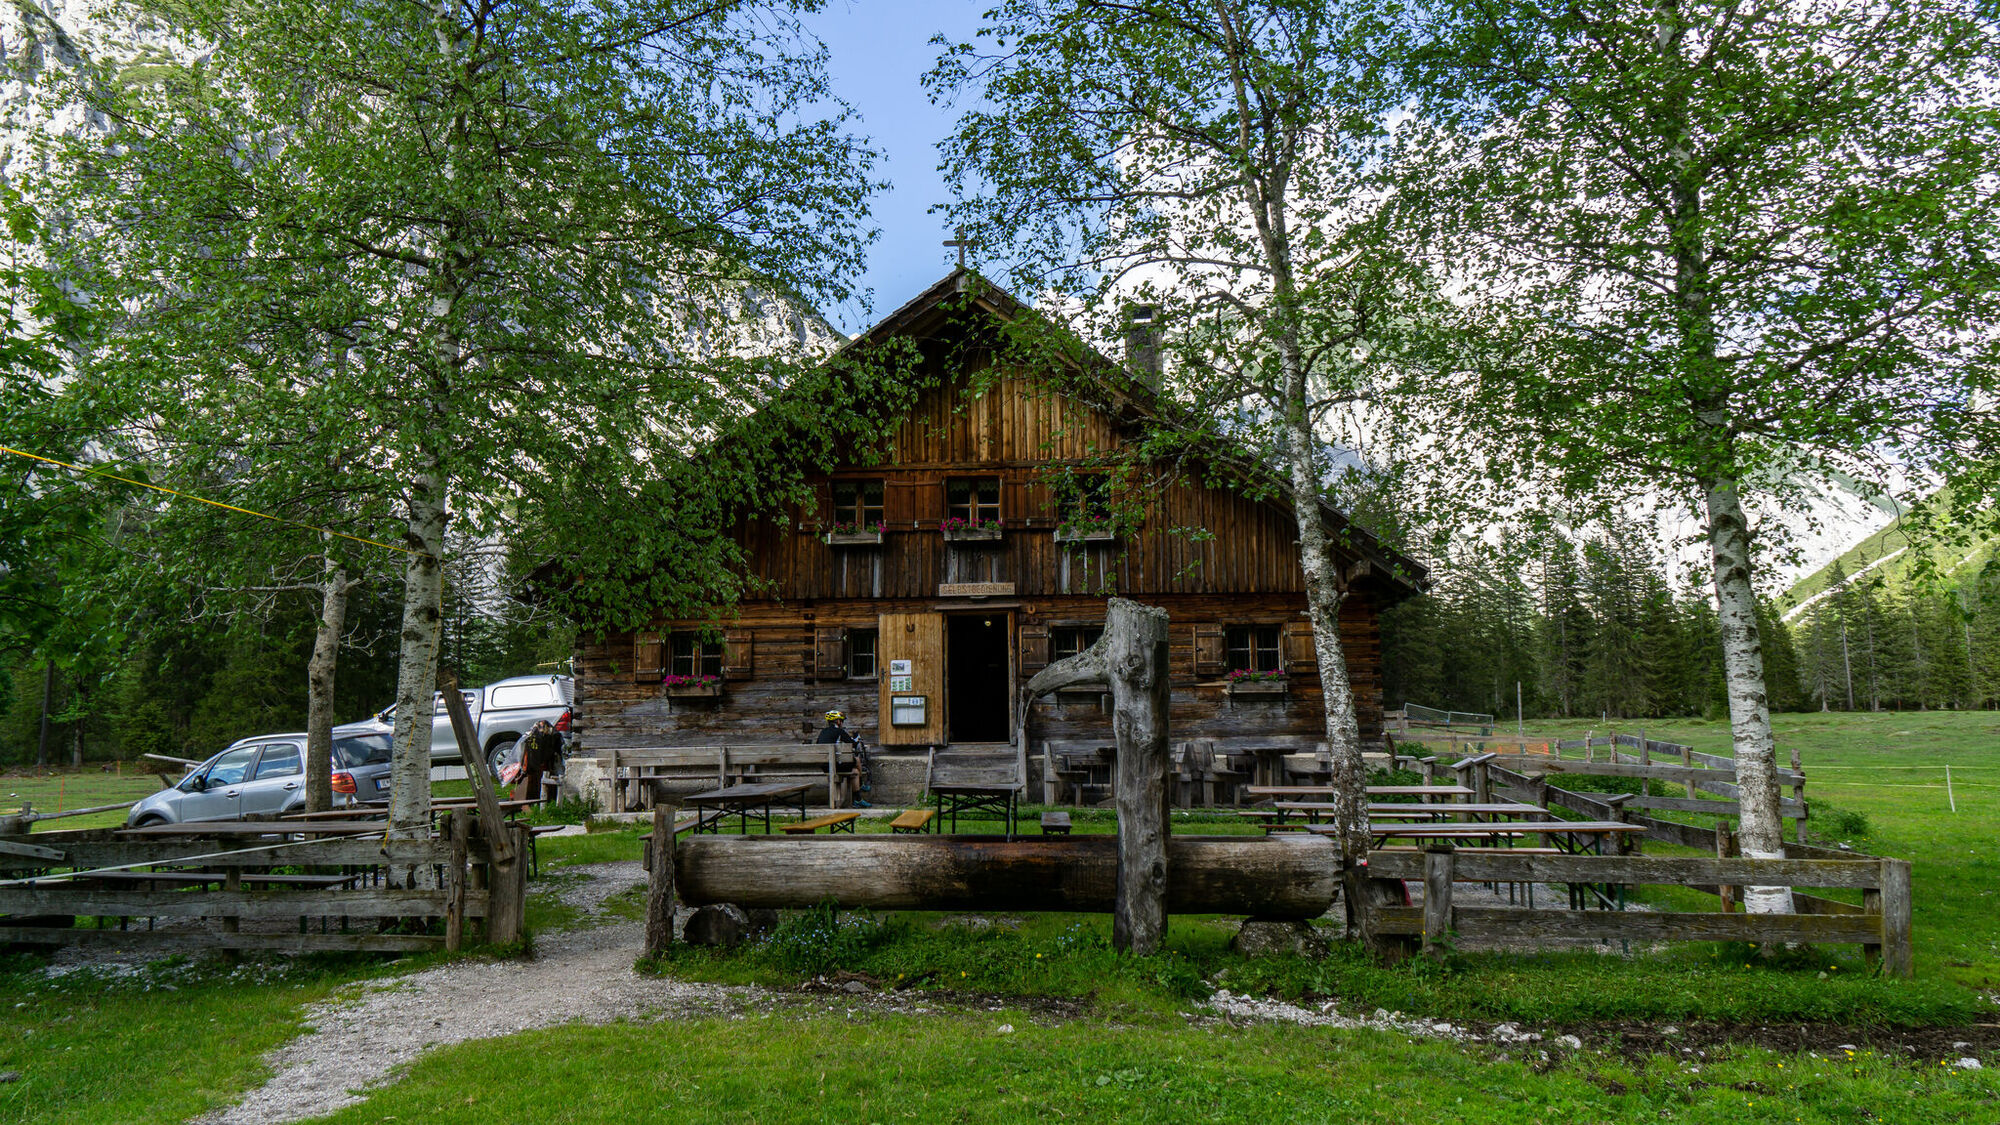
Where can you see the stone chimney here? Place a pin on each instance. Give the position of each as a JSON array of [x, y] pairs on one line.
[[1142, 343]]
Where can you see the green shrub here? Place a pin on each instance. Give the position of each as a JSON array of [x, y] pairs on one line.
[[569, 810], [1838, 823], [818, 940]]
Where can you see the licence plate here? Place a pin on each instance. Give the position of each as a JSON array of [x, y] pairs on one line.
[[381, 783]]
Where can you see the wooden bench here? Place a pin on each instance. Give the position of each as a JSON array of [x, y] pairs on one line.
[[1269, 755], [834, 822], [1073, 765], [1055, 824], [634, 770], [912, 821], [974, 780], [830, 763]]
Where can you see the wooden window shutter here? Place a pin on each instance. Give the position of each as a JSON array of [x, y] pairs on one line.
[[1297, 650], [830, 653], [648, 658], [1034, 647], [1209, 653], [736, 655]]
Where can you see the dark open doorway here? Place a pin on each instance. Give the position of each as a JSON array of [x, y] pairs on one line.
[[975, 647]]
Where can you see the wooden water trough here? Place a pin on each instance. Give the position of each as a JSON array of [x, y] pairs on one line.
[[1272, 877]]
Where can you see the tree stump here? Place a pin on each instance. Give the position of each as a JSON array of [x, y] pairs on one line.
[[1131, 658]]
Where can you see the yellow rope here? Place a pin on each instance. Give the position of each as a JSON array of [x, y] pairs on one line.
[[202, 500]]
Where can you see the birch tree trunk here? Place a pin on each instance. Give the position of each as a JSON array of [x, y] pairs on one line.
[[416, 667], [1761, 832], [1267, 198], [1325, 592], [334, 588]]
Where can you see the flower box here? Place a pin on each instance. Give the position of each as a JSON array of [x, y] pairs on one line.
[[706, 689], [1257, 685], [989, 534], [1086, 535], [853, 538]]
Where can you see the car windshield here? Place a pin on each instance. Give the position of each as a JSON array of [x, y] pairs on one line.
[[363, 750], [230, 766]]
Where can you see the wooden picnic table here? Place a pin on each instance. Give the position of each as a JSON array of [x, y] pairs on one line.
[[715, 805], [1403, 810], [257, 828], [1453, 791], [372, 810], [1300, 791], [1380, 834], [351, 812]]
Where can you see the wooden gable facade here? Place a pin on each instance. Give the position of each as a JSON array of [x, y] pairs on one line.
[[923, 631]]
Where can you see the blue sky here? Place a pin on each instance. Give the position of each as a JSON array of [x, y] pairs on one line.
[[880, 51]]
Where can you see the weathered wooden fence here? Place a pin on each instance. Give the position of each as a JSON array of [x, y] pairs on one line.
[[357, 893], [1881, 924], [1709, 779]]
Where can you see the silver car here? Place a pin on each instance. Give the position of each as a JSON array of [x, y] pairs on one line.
[[265, 775], [501, 713]]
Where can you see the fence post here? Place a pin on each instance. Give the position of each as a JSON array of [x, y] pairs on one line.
[[1799, 793], [660, 882], [456, 826], [506, 897], [1438, 864], [1430, 768], [1897, 956], [1725, 846], [1482, 783]]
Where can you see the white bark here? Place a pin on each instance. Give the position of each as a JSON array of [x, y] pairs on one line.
[[1760, 832], [416, 664], [334, 587]]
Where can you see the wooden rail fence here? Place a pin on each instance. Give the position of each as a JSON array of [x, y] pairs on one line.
[[407, 895], [1881, 925], [1699, 773]]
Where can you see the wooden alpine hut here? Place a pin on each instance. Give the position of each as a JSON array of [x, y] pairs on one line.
[[935, 574]]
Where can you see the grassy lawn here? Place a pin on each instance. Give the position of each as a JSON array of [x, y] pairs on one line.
[[174, 1043], [128, 1050], [966, 1068], [60, 790]]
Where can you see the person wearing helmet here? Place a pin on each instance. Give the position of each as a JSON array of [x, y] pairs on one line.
[[836, 730]]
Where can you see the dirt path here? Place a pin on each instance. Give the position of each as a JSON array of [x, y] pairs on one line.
[[366, 1036]]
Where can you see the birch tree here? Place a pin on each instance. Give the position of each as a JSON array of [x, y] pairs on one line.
[[1216, 160], [1740, 246], [478, 238]]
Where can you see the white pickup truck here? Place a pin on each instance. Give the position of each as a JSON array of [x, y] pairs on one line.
[[502, 712]]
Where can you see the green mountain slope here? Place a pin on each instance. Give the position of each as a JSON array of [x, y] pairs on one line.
[[1889, 556]]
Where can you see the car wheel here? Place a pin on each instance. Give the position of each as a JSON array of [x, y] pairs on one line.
[[149, 820], [496, 755]]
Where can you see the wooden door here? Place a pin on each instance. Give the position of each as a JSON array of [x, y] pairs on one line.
[[919, 639]]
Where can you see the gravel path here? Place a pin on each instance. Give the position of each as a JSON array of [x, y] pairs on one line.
[[372, 1031]]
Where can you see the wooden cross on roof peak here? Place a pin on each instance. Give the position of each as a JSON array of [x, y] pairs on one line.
[[963, 243]]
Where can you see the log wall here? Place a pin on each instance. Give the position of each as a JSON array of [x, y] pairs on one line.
[[783, 696], [1206, 550]]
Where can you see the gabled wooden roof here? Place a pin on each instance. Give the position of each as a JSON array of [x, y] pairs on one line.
[[1132, 401]]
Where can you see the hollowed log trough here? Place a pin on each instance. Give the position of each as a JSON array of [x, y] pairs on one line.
[[1291, 876]]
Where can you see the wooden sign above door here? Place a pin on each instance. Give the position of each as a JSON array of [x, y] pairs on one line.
[[975, 589]]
